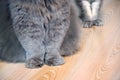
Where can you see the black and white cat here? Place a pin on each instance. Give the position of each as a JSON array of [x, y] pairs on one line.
[[42, 30], [90, 12]]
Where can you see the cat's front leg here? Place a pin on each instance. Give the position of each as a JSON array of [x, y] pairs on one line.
[[85, 12], [90, 12], [96, 12], [32, 41], [58, 27], [54, 38], [30, 32], [31, 37]]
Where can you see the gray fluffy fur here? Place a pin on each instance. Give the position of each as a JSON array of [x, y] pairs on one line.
[[37, 32]]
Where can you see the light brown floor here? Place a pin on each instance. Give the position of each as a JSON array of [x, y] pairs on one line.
[[98, 58]]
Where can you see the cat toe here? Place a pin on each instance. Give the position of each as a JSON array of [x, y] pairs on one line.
[[98, 22], [34, 63], [87, 24]]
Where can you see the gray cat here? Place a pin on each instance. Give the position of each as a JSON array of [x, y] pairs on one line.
[[40, 26], [40, 31], [90, 12], [37, 32]]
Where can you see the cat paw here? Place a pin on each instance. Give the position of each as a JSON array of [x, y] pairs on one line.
[[87, 24], [98, 22], [54, 60], [34, 63]]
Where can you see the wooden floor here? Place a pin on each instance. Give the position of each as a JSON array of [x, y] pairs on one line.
[[97, 59]]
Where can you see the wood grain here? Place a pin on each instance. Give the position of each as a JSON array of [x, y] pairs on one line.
[[97, 59]]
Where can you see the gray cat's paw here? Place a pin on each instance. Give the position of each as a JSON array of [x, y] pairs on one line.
[[34, 63], [98, 22], [87, 24], [54, 60]]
